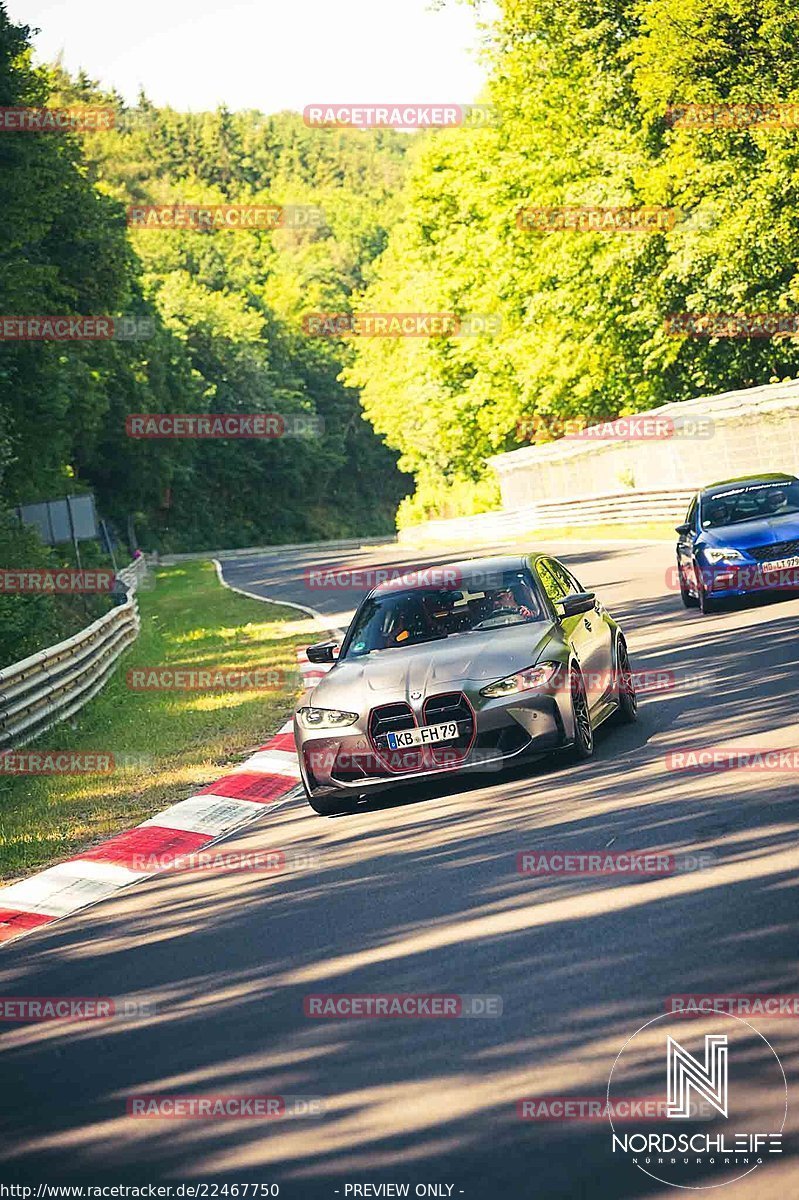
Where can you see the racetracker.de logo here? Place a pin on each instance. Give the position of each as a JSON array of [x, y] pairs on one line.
[[743, 1004], [39, 328], [77, 119], [388, 1005], [774, 115], [188, 679], [64, 582], [207, 218], [732, 325], [366, 578], [597, 218], [597, 1108], [398, 325], [753, 578], [221, 1108], [28, 1010], [222, 425], [603, 862], [731, 758], [400, 116], [56, 762]]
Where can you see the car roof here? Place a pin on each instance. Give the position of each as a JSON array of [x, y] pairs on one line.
[[464, 567], [774, 477]]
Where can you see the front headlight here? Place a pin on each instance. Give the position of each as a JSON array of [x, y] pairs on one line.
[[523, 681], [723, 554], [325, 718]]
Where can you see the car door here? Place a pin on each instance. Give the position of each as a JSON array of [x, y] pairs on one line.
[[685, 542], [557, 588], [593, 638]]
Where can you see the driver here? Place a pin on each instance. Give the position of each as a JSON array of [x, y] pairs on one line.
[[504, 600]]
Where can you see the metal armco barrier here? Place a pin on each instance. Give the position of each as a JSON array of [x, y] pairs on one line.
[[51, 685], [609, 508]]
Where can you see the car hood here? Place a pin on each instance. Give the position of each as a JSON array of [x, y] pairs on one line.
[[432, 666], [764, 532]]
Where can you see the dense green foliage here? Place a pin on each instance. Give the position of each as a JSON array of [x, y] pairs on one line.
[[225, 309], [581, 91]]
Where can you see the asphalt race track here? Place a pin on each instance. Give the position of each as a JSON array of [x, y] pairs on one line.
[[420, 893]]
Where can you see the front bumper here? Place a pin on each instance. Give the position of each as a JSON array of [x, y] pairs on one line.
[[506, 730], [723, 580]]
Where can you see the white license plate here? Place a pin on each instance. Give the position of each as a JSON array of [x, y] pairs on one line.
[[426, 735], [781, 564]]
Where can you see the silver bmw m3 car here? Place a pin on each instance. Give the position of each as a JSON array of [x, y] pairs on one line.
[[473, 665]]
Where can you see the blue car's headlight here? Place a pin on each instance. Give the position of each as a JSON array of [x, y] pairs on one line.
[[722, 554]]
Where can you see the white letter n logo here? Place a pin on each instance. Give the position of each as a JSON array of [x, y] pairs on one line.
[[686, 1072]]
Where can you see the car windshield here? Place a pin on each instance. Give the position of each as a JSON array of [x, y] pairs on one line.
[[397, 618], [750, 502]]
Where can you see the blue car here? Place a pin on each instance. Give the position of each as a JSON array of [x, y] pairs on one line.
[[739, 536]]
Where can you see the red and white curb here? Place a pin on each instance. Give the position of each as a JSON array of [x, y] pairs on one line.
[[260, 784]]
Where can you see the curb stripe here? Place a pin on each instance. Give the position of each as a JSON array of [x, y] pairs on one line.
[[101, 871]]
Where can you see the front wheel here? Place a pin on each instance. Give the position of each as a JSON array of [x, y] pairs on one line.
[[689, 601], [583, 746], [706, 603]]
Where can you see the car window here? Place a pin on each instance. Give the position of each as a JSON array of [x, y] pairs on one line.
[[564, 577], [750, 502], [408, 616], [690, 516], [555, 588]]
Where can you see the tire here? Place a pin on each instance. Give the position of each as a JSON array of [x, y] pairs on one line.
[[707, 605], [688, 600], [583, 745], [628, 701]]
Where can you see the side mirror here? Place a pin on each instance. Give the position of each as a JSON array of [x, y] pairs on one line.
[[573, 606], [323, 652], [683, 529]]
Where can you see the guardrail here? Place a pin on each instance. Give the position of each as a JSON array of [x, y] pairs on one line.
[[606, 508], [52, 684]]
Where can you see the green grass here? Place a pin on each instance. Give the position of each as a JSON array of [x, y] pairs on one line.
[[654, 531], [169, 742]]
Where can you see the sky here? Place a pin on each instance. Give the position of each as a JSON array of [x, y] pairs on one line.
[[265, 54]]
